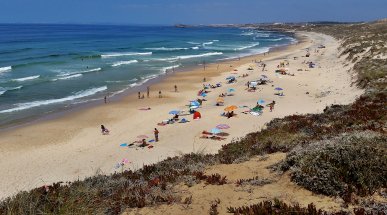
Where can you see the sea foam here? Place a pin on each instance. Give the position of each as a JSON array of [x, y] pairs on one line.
[[120, 63], [6, 89], [78, 95], [110, 55], [5, 69], [26, 78], [182, 57]]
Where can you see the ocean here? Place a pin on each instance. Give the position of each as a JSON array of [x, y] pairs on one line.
[[46, 69]]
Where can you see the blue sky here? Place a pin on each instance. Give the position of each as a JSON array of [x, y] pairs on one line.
[[188, 11]]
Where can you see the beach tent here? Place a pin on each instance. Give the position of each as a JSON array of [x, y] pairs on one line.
[[197, 115]]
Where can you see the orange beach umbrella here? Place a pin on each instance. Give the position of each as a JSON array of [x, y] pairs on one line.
[[231, 108]]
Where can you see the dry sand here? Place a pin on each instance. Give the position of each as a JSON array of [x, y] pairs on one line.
[[233, 195], [71, 147]]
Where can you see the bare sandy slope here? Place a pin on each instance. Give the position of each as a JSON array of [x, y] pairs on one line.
[[233, 195], [71, 147]]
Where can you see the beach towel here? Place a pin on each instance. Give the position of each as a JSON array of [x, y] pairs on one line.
[[254, 113], [151, 141], [123, 144]]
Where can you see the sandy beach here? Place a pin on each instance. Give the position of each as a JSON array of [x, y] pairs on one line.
[[71, 147]]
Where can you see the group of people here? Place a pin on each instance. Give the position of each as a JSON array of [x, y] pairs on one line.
[[142, 96], [106, 131]]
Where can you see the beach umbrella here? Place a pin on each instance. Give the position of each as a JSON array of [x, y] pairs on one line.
[[194, 107], [256, 109], [278, 88], [215, 131], [142, 136], [253, 83], [223, 126], [174, 112], [220, 99], [231, 90], [204, 94], [230, 77], [194, 103], [231, 108], [261, 102]]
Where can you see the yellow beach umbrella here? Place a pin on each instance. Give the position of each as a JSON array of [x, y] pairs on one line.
[[231, 108], [220, 99]]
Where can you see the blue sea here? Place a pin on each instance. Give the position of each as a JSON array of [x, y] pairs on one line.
[[49, 68]]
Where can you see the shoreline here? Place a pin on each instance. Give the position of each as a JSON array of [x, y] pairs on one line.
[[132, 91], [71, 147]]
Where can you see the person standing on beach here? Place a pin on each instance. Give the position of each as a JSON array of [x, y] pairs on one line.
[[156, 132], [139, 95], [105, 99], [147, 91], [271, 105], [175, 88], [160, 94], [204, 79]]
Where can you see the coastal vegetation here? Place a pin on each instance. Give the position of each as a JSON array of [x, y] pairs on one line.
[[341, 152]]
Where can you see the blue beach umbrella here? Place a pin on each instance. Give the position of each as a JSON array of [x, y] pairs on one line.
[[204, 94], [194, 103], [278, 88], [230, 90], [174, 112], [261, 102], [215, 131]]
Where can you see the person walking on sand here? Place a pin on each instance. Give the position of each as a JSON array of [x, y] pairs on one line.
[[156, 132], [271, 105], [147, 91], [105, 99], [160, 94], [175, 88], [139, 95], [204, 79]]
